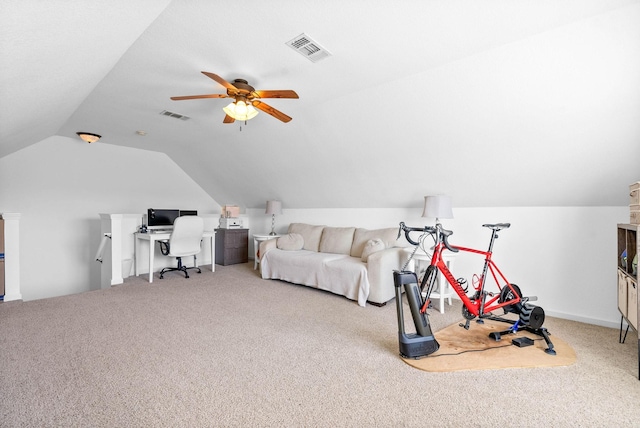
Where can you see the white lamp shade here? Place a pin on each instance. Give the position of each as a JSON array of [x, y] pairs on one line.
[[239, 110], [274, 207], [438, 206]]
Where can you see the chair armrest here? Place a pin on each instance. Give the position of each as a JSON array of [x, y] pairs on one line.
[[380, 267], [266, 246]]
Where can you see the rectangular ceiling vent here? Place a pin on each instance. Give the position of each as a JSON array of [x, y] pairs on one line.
[[308, 48], [174, 115]]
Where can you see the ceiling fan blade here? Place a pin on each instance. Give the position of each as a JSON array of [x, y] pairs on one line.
[[220, 80], [228, 119], [285, 93], [195, 97], [270, 110]]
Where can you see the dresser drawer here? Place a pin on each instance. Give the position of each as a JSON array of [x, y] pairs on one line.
[[622, 293], [632, 303], [232, 246]]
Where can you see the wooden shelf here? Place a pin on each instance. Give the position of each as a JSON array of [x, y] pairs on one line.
[[628, 303]]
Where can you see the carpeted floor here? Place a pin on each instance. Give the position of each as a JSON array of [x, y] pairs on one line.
[[229, 349]]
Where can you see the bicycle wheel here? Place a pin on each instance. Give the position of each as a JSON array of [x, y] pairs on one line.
[[506, 294]]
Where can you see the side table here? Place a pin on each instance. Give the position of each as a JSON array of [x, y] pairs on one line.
[[444, 291], [257, 239]]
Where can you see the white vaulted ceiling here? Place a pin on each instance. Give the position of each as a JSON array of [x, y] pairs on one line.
[[497, 103]]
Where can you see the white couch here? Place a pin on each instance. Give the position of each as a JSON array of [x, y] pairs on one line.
[[353, 262]]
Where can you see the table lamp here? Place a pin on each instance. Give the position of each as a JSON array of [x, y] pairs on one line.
[[438, 206], [273, 208]]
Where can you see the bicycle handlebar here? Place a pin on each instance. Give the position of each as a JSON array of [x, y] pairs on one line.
[[443, 234], [404, 228]]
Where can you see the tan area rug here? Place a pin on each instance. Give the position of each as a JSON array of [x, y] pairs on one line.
[[473, 349]]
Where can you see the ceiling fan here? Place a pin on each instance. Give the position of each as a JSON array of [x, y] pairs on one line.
[[245, 99]]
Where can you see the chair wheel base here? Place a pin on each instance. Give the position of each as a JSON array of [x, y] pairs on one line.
[[181, 269]]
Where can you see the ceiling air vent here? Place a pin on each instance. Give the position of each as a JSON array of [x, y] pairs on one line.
[[174, 115], [308, 48]]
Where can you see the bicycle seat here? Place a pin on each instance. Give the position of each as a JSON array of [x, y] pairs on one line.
[[497, 226]]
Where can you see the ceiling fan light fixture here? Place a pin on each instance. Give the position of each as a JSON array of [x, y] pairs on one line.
[[240, 110], [246, 99], [89, 137]]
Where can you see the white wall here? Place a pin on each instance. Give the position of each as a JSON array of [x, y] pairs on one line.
[[60, 185], [564, 256]]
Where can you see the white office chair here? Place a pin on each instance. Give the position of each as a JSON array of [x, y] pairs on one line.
[[184, 241]]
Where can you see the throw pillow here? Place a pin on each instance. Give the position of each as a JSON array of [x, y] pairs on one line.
[[362, 236], [290, 242], [372, 246], [310, 233]]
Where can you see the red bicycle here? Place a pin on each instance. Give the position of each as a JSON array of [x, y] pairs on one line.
[[491, 292]]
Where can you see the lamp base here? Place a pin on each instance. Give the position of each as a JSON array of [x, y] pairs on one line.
[[273, 225]]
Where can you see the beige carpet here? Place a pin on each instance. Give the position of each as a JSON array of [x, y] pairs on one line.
[[229, 349], [473, 349]]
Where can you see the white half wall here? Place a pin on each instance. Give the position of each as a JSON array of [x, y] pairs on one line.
[[60, 185], [566, 256]]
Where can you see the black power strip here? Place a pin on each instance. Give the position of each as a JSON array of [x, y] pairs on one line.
[[521, 342]]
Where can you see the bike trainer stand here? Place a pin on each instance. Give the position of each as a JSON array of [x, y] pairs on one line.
[[422, 343], [538, 329]]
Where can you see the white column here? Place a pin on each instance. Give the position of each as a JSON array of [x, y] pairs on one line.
[[11, 256], [116, 249], [121, 227]]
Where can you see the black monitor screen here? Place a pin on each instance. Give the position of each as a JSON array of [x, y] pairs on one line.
[[161, 217]]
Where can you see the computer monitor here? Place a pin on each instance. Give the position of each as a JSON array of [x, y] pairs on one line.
[[188, 212], [161, 219]]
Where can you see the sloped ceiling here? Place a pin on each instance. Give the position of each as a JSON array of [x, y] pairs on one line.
[[496, 103]]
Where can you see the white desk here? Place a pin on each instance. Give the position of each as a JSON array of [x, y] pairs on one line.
[[153, 237], [257, 239], [444, 290]]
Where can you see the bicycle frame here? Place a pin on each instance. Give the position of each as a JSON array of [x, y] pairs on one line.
[[479, 305], [483, 302]]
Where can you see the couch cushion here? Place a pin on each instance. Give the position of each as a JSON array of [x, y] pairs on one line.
[[361, 236], [337, 240], [372, 246], [290, 242], [310, 234], [337, 273]]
